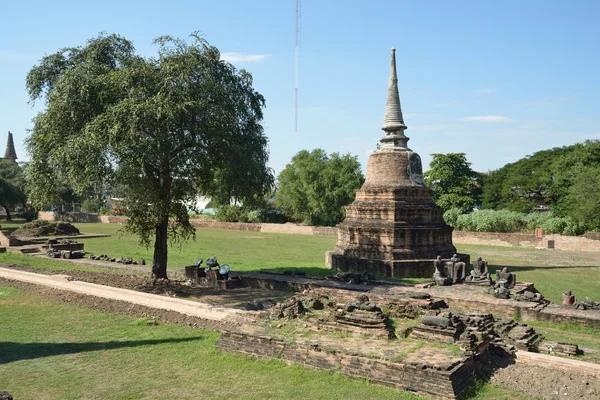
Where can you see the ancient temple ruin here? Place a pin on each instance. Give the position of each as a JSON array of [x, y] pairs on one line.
[[11, 153], [393, 228]]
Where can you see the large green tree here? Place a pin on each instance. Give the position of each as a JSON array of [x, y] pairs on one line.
[[452, 182], [583, 198], [167, 128], [12, 186], [546, 177], [314, 188]]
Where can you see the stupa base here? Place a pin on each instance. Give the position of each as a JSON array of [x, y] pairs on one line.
[[422, 268]]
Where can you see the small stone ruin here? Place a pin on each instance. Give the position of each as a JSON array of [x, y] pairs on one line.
[[361, 316], [63, 248], [518, 334], [119, 260], [5, 396], [217, 278], [474, 333]]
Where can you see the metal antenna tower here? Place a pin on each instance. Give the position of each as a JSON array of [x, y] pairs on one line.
[[298, 14]]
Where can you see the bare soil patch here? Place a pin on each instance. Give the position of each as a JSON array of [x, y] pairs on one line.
[[118, 307], [42, 227], [546, 383], [140, 281]]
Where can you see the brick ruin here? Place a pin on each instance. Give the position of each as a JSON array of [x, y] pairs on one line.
[[373, 334], [393, 228]]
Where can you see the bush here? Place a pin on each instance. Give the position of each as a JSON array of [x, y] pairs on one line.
[[234, 213], [28, 215], [231, 213], [451, 216], [91, 205], [507, 221]]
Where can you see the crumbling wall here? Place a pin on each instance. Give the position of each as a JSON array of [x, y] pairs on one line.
[[435, 382]]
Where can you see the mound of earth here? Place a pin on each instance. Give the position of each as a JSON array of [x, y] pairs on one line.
[[41, 227]]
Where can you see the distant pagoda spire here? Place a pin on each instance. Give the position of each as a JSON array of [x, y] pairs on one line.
[[393, 123], [10, 153]]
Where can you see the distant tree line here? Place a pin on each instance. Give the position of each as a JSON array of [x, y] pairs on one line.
[[313, 189], [565, 180]]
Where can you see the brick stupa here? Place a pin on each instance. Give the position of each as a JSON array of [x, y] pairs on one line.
[[393, 228], [10, 153]]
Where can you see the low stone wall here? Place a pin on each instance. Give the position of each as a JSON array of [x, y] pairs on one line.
[[7, 240], [268, 228], [226, 225], [113, 219], [586, 242], [496, 239], [435, 382], [68, 216], [592, 235]]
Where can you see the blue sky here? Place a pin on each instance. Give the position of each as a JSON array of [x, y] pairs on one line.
[[497, 80]]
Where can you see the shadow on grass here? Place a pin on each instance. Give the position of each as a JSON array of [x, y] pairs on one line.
[[308, 271], [323, 272], [494, 360], [11, 351], [521, 268]]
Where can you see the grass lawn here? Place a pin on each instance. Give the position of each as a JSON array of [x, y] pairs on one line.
[[552, 271], [54, 350]]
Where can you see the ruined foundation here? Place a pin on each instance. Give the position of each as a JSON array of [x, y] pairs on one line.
[[440, 381]]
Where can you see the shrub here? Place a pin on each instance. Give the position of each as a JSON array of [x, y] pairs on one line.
[[231, 213], [511, 221], [451, 216], [91, 205]]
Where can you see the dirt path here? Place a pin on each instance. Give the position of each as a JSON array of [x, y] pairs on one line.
[[538, 376], [187, 307]]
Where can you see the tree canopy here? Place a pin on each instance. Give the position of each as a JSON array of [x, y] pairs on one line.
[[314, 188], [12, 186], [166, 128], [560, 178], [452, 182]]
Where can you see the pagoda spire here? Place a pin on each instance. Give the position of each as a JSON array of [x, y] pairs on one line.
[[393, 123], [10, 153]]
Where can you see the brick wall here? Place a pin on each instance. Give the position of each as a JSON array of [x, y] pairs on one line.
[[572, 243], [113, 219], [68, 216], [226, 225], [438, 384]]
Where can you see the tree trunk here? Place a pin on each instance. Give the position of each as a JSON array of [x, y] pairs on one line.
[[8, 218], [159, 262]]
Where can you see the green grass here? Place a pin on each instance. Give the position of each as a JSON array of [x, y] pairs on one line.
[[552, 271], [242, 250], [54, 350], [587, 338]]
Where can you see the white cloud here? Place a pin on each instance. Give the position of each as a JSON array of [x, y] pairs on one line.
[[484, 91], [243, 57], [486, 118]]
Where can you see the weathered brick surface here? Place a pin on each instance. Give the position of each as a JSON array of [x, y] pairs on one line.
[[393, 227], [432, 381]]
